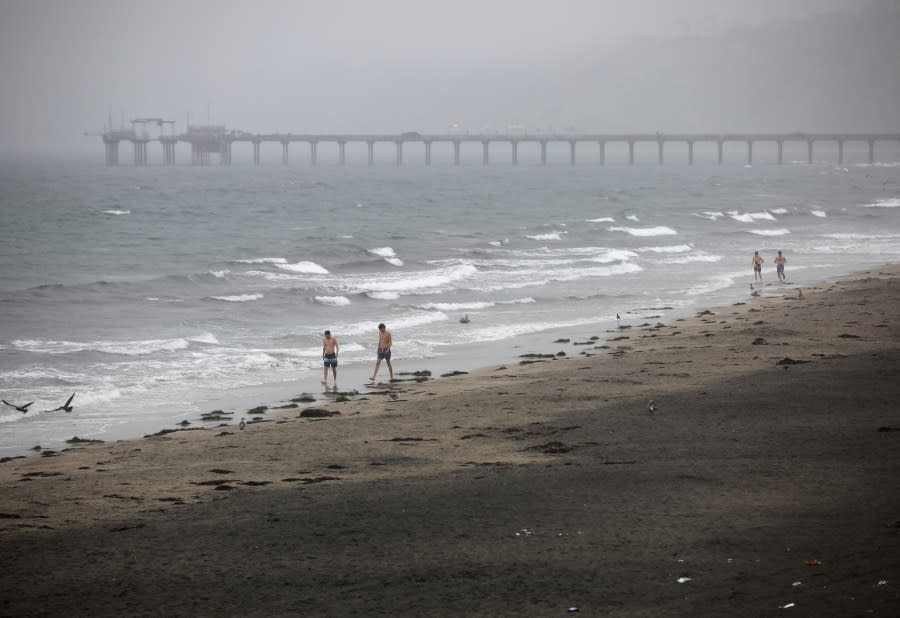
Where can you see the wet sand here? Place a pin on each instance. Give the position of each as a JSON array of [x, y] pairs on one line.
[[765, 482]]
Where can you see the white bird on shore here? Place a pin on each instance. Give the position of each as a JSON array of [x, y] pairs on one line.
[[651, 407], [66, 407], [22, 408], [753, 291]]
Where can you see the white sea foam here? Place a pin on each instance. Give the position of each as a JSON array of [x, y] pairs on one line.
[[115, 211], [265, 260], [601, 220], [238, 298], [660, 230], [712, 216], [893, 202], [779, 211], [472, 306], [818, 213], [699, 256], [667, 249], [548, 236], [750, 217], [127, 348], [389, 255], [777, 232], [632, 218], [333, 301], [220, 274], [383, 295], [304, 267], [412, 320], [410, 283]]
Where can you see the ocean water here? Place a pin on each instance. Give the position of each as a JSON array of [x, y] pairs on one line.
[[157, 293]]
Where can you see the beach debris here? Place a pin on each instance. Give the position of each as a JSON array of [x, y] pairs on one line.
[[760, 341], [318, 413], [790, 361], [22, 408], [304, 398], [552, 448], [882, 582], [525, 532], [848, 336], [573, 610], [683, 580], [795, 584], [813, 562], [77, 440], [66, 407], [454, 373], [243, 424], [887, 428], [651, 406], [788, 606], [258, 410]]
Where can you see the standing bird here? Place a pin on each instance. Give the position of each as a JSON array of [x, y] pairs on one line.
[[66, 407], [242, 424], [753, 291], [651, 407], [22, 408], [464, 319]]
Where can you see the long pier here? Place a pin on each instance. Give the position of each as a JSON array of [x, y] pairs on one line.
[[210, 140]]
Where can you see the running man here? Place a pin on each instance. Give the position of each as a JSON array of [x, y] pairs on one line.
[[330, 349], [757, 266], [385, 341], [779, 265]]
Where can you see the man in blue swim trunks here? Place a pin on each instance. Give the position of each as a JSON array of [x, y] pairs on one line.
[[385, 341], [330, 350]]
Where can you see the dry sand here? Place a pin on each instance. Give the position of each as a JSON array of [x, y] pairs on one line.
[[766, 482]]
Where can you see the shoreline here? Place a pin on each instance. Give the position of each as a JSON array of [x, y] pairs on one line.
[[518, 489]]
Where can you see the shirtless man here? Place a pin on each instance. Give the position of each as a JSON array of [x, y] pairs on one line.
[[779, 265], [384, 351], [757, 266], [330, 349]]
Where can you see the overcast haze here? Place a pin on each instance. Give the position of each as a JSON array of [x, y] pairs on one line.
[[690, 65]]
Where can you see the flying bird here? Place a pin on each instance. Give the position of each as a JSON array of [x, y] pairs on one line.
[[66, 407], [22, 408]]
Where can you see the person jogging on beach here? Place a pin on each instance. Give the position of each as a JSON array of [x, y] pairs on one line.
[[385, 341], [757, 266], [779, 265], [330, 349]]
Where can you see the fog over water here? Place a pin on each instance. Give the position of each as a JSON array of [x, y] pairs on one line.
[[692, 65]]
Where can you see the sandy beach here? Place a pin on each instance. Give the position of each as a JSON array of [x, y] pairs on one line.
[[762, 481]]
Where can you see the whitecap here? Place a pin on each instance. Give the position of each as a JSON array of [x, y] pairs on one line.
[[220, 274], [548, 236], [667, 249], [383, 295], [660, 230], [712, 216], [893, 202], [632, 218], [779, 211], [115, 211], [310, 268], [384, 252], [264, 260], [777, 232], [750, 217], [818, 213], [393, 260], [238, 298], [472, 306], [333, 301], [601, 220]]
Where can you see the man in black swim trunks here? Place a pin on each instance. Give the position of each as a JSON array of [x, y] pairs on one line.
[[385, 341], [330, 350]]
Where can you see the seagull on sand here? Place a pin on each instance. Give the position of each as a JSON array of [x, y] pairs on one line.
[[22, 408], [66, 407], [242, 424], [753, 291], [651, 407]]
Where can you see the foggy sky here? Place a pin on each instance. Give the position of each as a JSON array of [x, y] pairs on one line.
[[397, 65]]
